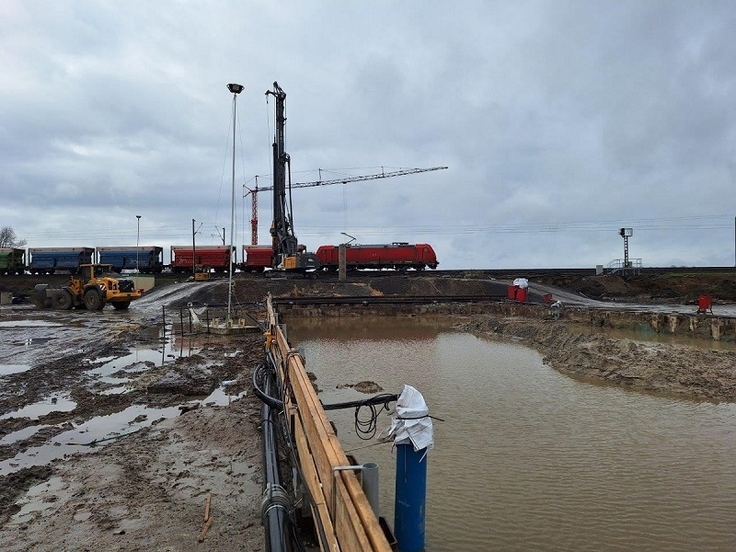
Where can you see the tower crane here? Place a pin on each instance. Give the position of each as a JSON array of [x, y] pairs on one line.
[[383, 174]]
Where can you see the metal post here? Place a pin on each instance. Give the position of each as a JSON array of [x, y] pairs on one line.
[[137, 246], [163, 349], [410, 499], [342, 261], [194, 250]]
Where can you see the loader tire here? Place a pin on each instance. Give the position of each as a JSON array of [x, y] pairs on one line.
[[62, 301], [121, 305], [93, 299]]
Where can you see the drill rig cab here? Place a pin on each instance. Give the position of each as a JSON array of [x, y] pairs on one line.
[[288, 254]]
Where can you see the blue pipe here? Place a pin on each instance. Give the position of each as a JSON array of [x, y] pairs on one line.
[[411, 497]]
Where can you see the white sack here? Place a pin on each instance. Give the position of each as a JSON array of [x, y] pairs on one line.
[[411, 422]]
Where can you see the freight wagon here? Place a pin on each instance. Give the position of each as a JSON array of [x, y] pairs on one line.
[[398, 255], [145, 259], [12, 260], [214, 257], [47, 260], [257, 258]]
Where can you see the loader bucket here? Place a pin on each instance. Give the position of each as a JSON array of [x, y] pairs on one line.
[[40, 298]]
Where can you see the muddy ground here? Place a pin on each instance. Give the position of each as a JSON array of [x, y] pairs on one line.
[[187, 421]]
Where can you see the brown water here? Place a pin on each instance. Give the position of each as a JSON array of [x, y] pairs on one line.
[[528, 459]]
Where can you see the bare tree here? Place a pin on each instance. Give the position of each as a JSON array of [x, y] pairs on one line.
[[9, 239]]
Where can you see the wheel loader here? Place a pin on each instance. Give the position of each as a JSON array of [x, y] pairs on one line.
[[94, 287]]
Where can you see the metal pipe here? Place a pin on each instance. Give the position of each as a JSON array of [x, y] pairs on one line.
[[370, 486]]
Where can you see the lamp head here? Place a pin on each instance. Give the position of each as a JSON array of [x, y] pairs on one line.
[[235, 88]]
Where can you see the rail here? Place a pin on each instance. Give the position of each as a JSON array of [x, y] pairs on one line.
[[338, 503]]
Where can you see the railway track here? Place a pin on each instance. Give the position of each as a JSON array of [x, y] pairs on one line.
[[388, 300], [509, 273]]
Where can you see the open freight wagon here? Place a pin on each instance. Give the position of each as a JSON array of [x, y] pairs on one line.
[[47, 260], [147, 259], [12, 260], [211, 257]]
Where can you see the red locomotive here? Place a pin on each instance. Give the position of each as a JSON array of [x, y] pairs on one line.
[[398, 255]]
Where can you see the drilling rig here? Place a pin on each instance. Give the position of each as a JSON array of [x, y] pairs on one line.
[[288, 254]]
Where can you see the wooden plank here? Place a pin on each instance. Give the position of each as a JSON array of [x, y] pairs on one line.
[[355, 526], [311, 480], [365, 521], [349, 538], [347, 524], [351, 529], [369, 521]]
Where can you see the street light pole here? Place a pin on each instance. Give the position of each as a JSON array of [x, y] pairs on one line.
[[234, 89], [137, 246]]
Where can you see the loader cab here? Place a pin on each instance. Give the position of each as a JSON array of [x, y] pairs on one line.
[[91, 272], [102, 270]]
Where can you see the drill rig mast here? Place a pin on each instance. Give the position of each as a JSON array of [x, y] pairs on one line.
[[287, 253]]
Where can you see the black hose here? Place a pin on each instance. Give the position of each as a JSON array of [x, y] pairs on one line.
[[275, 505], [383, 398], [366, 427], [266, 398]]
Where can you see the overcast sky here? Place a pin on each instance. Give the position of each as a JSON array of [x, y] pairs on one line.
[[560, 123]]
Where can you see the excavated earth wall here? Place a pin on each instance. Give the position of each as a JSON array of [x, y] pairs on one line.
[[701, 326], [579, 343]]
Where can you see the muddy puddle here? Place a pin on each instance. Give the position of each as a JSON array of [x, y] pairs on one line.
[[88, 435], [10, 324], [98, 431], [118, 373], [117, 370], [7, 369], [56, 402]]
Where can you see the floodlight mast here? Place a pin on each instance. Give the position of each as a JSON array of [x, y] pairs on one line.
[[234, 89]]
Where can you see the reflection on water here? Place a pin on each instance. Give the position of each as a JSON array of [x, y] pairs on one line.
[[528, 459]]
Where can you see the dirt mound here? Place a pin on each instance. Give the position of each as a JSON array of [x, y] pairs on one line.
[[680, 370]]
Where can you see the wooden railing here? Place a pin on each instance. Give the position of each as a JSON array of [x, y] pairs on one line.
[[338, 503]]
